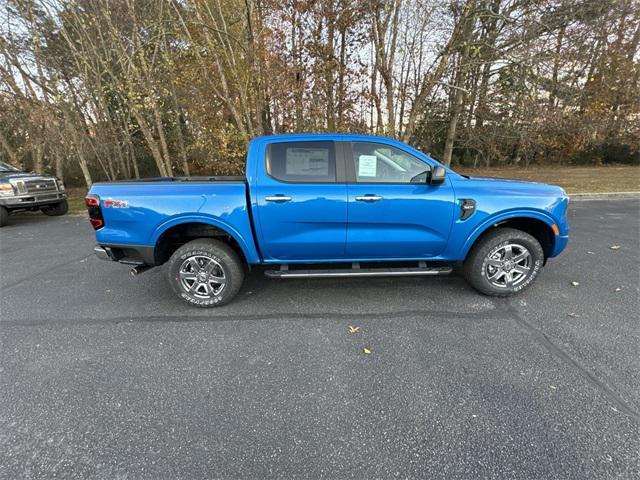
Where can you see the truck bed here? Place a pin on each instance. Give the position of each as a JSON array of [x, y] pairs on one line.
[[139, 212]]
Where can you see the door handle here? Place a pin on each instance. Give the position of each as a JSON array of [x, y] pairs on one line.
[[368, 198], [278, 199]]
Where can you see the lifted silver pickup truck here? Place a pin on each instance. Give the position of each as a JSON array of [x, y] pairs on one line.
[[29, 191]]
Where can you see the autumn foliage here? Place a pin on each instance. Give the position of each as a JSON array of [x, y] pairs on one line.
[[96, 89]]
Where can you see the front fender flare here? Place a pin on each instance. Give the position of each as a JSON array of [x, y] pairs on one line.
[[501, 217]]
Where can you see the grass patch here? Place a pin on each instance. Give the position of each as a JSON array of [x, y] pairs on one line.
[[75, 197], [614, 178]]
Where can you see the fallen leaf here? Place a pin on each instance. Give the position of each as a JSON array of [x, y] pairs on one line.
[[366, 350], [618, 289], [591, 253], [614, 247], [575, 284], [353, 329], [574, 315], [553, 387]]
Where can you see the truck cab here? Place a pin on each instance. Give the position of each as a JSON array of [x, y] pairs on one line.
[[331, 205]]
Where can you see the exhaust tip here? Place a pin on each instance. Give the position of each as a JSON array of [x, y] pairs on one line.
[[137, 270]]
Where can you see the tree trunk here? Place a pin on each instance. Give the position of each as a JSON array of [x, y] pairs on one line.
[[151, 142], [432, 78], [553, 93], [461, 76], [82, 161], [163, 141], [59, 165], [179, 136], [13, 156]]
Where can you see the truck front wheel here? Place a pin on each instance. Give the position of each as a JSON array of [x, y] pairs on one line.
[[56, 209], [205, 273], [504, 262]]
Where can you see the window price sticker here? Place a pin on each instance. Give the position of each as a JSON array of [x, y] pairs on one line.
[[367, 165]]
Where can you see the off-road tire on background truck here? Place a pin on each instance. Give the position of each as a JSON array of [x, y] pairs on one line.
[[504, 262], [4, 216], [205, 272], [56, 209]]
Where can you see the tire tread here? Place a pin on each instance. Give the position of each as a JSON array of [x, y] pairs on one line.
[[472, 267]]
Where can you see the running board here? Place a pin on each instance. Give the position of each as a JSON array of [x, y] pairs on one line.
[[357, 272]]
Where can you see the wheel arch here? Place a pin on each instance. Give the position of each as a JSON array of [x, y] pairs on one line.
[[537, 224], [176, 232]]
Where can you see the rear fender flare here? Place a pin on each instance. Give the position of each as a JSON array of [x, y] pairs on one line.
[[249, 253]]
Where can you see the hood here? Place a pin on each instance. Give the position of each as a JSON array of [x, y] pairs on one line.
[[508, 180], [10, 175], [514, 186]]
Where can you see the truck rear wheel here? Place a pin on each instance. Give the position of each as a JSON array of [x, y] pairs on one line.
[[205, 273], [4, 216], [56, 209], [504, 262]]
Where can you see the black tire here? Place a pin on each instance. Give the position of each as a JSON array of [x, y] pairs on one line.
[[491, 270], [207, 253], [56, 209], [4, 216]]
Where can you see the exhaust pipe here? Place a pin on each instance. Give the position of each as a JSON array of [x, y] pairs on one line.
[[137, 270]]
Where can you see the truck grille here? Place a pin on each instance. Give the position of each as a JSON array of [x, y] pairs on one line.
[[42, 185]]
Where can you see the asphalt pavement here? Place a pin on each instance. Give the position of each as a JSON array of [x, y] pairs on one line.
[[107, 376]]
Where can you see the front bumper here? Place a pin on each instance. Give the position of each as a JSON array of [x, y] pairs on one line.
[[560, 244], [30, 200]]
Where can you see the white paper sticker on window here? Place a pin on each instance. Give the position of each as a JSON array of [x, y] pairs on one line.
[[307, 161], [367, 165]]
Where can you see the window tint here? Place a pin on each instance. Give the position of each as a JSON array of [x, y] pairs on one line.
[[303, 162], [379, 163]]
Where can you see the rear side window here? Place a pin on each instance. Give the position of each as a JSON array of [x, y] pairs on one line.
[[302, 162]]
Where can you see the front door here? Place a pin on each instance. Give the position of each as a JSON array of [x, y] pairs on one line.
[[394, 213], [302, 209]]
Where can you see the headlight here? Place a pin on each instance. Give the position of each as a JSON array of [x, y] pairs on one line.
[[60, 185], [6, 190]]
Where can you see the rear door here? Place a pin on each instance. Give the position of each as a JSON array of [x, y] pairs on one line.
[[302, 202], [393, 212]]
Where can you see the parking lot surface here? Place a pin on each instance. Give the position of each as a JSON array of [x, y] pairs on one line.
[[107, 376]]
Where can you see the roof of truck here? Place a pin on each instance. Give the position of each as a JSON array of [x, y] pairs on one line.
[[298, 136]]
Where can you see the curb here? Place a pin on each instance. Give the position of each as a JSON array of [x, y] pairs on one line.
[[603, 195]]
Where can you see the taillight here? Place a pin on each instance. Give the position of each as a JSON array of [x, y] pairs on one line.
[[95, 214]]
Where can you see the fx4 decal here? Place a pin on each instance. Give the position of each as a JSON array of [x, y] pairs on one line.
[[109, 202]]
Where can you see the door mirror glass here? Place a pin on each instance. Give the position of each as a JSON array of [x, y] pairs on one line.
[[437, 175]]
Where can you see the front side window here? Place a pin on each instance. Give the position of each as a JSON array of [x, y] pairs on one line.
[[380, 163], [302, 162]]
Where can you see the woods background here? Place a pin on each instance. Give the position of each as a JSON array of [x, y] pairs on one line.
[[109, 89]]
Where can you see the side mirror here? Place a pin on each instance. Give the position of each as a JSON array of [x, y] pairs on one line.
[[437, 175]]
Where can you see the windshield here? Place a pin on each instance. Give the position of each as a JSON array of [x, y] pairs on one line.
[[5, 167]]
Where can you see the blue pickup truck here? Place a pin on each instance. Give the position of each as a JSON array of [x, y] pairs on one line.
[[330, 205]]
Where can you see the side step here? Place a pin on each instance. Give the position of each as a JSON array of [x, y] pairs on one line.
[[284, 272]]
